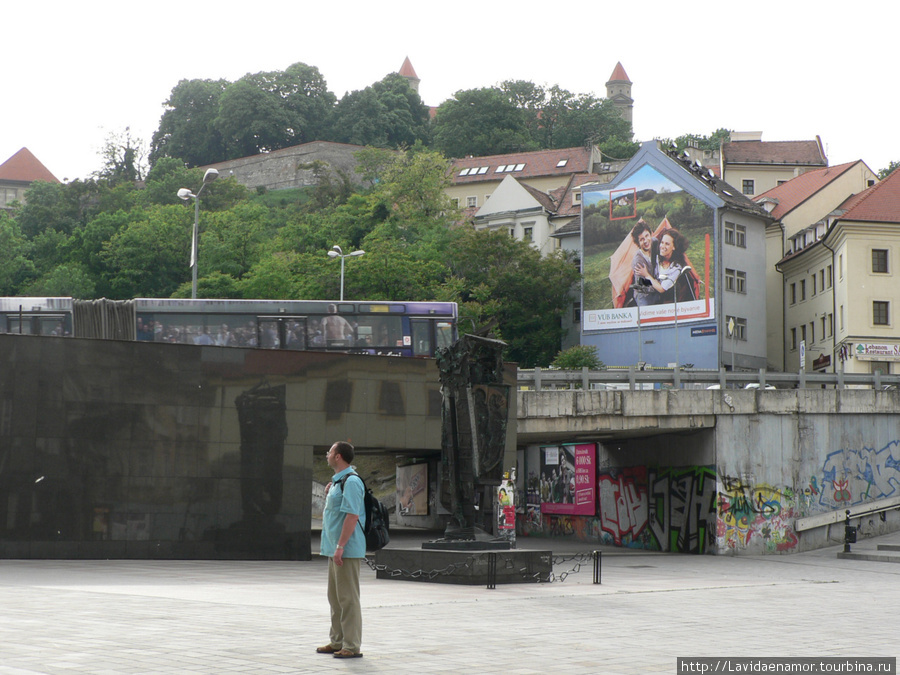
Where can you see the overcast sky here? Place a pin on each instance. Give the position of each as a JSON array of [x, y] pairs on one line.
[[75, 72]]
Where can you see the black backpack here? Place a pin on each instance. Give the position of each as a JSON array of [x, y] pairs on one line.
[[377, 526]]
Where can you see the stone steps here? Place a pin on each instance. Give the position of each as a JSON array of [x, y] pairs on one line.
[[884, 553]]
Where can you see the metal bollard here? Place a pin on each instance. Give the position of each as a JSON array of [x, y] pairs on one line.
[[849, 533], [492, 571], [596, 556]]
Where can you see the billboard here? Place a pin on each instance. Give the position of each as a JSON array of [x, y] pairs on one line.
[[567, 479], [648, 256]]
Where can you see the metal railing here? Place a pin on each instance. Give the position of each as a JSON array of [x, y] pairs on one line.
[[542, 379]]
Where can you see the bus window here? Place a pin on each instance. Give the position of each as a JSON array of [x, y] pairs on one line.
[[52, 325], [268, 334], [443, 333], [295, 334], [379, 331], [421, 337]]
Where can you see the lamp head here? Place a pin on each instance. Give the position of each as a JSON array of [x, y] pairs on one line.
[[333, 254], [210, 175], [339, 250], [185, 194], [359, 252]]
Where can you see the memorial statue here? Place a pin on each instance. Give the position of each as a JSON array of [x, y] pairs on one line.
[[475, 406]]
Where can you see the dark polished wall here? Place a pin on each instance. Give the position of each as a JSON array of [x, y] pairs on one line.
[[136, 450]]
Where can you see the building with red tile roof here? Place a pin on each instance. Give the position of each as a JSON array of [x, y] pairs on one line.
[[755, 166], [841, 294], [18, 173]]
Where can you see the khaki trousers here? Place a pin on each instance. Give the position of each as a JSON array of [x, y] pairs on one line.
[[343, 596]]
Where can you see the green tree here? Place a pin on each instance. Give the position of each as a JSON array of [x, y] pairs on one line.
[[149, 257], [388, 114], [124, 158], [66, 280], [187, 128], [481, 122], [578, 357], [505, 280], [888, 170], [16, 267]]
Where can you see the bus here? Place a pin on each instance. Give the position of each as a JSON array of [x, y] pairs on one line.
[[372, 327]]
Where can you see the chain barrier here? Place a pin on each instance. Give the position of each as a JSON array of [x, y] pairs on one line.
[[507, 563]]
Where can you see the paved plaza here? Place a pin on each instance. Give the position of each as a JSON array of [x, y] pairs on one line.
[[111, 617]]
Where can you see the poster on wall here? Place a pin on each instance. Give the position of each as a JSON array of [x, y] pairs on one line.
[[412, 490], [647, 255], [506, 509], [567, 479]]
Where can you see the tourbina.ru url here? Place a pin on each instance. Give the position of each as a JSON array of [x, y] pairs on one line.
[[728, 664]]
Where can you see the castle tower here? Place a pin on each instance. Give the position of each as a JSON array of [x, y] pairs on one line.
[[618, 90], [407, 71]]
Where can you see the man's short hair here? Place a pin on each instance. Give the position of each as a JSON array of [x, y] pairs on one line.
[[637, 229], [345, 450]]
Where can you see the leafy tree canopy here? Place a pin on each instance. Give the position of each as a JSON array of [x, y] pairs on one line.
[[481, 122], [578, 357], [388, 114], [888, 170]]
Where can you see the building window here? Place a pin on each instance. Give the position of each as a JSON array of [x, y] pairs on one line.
[[803, 333], [747, 187], [576, 312], [813, 284], [829, 276], [830, 325], [812, 332], [794, 294], [735, 235], [823, 327], [576, 197], [528, 234], [735, 281], [822, 279], [512, 233], [841, 317], [793, 338], [802, 290], [740, 327], [841, 266], [881, 312], [879, 261], [471, 202]]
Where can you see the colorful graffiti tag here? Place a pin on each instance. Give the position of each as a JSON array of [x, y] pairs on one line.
[[682, 514], [671, 509], [750, 513], [624, 506], [857, 476]]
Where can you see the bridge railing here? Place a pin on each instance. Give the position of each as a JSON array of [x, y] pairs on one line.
[[542, 379]]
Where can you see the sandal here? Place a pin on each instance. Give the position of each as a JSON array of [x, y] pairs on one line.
[[347, 654], [327, 649]]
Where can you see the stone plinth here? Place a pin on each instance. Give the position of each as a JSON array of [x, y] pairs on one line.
[[471, 568]]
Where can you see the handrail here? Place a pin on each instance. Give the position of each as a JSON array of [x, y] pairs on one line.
[[540, 379], [857, 511]]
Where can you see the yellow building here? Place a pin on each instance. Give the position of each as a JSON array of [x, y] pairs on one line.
[[842, 290]]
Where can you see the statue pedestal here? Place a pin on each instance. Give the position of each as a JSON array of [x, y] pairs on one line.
[[466, 567]]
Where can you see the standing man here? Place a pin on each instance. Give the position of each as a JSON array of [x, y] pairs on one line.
[[644, 258], [344, 544]]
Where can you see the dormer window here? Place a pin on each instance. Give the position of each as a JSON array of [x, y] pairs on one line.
[[561, 163]]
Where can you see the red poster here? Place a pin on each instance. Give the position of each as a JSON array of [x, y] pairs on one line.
[[567, 479]]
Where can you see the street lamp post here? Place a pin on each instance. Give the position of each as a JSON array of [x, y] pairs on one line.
[[337, 252], [185, 194]]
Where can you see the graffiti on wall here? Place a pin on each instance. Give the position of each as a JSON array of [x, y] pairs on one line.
[[682, 508], [857, 476], [623, 506], [750, 513]]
